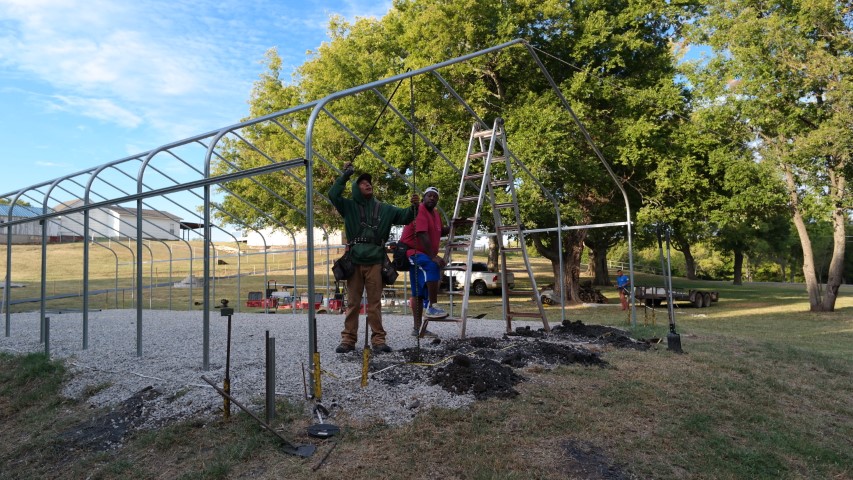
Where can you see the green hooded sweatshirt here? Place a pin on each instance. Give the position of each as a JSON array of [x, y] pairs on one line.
[[369, 248]]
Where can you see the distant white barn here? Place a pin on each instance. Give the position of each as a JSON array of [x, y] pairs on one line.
[[29, 232], [280, 238], [118, 222]]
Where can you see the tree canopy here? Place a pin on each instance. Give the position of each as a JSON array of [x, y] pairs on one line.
[[717, 148]]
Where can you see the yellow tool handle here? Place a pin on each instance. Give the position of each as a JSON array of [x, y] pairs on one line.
[[318, 389], [364, 367]]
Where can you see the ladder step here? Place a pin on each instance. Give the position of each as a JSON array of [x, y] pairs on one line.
[[504, 205], [507, 228], [445, 319], [528, 293], [474, 176], [477, 155], [500, 183], [500, 158], [463, 246], [462, 221], [469, 199], [483, 134]]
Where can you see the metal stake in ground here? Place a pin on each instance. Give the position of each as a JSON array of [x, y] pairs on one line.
[[673, 340], [226, 311]]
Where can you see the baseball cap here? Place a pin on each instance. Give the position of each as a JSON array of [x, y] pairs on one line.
[[431, 189], [364, 176]]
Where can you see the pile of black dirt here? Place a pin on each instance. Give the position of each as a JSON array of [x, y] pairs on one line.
[[547, 353], [482, 366], [601, 334], [481, 377], [108, 431]]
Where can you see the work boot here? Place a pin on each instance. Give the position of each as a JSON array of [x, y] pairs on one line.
[[344, 348], [382, 349], [434, 312]]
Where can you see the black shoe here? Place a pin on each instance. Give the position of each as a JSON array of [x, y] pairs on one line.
[[382, 349], [344, 348]]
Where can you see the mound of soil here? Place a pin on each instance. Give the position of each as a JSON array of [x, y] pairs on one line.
[[484, 366], [108, 431], [540, 352], [601, 335], [481, 377]]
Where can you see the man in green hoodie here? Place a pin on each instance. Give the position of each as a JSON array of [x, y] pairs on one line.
[[367, 228]]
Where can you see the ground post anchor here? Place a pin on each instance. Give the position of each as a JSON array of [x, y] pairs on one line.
[[227, 311]]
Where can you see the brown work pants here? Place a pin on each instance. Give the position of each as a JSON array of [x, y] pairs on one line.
[[367, 278]]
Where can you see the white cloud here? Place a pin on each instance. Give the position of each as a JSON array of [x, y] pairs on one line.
[[99, 108], [179, 68], [51, 164]]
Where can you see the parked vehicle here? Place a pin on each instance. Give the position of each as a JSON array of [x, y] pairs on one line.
[[654, 296], [259, 300], [482, 279]]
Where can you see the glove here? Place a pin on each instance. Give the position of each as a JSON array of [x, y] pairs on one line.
[[348, 170]]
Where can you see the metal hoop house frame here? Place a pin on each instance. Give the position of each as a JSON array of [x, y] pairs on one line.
[[155, 178]]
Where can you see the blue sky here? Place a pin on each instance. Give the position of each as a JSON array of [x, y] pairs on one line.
[[83, 83]]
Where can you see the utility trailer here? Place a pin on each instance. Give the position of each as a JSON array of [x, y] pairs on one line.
[[654, 296]]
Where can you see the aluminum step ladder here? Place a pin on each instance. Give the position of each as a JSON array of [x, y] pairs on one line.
[[487, 178]]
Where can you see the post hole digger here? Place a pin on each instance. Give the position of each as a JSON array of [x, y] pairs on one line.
[[365, 354]]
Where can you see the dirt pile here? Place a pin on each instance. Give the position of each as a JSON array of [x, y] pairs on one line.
[[484, 366], [108, 430], [482, 377], [599, 334]]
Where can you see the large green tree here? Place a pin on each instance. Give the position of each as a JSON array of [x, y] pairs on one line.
[[786, 67], [612, 59]]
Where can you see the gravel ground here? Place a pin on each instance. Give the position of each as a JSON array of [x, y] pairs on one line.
[[109, 371]]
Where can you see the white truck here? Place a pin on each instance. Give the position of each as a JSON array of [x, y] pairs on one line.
[[482, 279]]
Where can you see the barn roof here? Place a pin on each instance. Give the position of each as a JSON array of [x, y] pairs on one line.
[[21, 211]]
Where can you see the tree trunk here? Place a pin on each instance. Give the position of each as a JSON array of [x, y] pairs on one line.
[[812, 286], [599, 243], [682, 245], [598, 263], [738, 267], [839, 240], [493, 254], [571, 262], [689, 264]]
